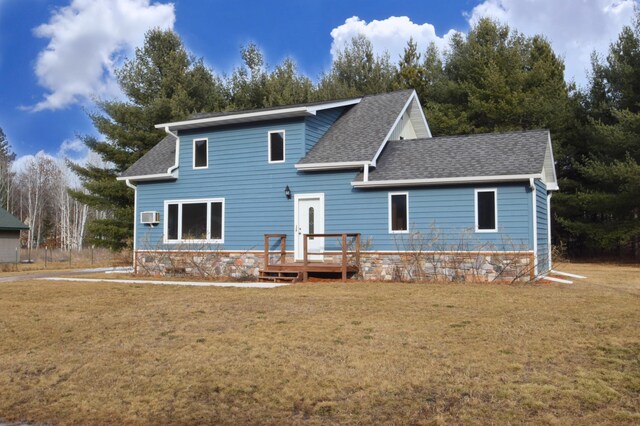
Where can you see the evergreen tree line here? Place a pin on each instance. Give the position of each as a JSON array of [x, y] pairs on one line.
[[491, 79]]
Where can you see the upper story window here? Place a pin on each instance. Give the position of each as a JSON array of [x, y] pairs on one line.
[[200, 153], [398, 212], [486, 210], [276, 146]]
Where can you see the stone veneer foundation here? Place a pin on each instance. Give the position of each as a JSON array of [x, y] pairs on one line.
[[374, 266]]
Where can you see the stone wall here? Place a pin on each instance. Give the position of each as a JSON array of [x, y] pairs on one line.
[[423, 266]]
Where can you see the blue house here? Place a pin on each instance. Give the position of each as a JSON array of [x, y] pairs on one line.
[[265, 191]]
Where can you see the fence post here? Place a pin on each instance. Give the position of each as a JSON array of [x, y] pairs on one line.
[[92, 254], [344, 257], [305, 271], [69, 257], [17, 258], [266, 251], [45, 256]]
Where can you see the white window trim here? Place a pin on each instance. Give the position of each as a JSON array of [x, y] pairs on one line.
[[284, 146], [391, 231], [208, 201], [194, 153], [495, 208]]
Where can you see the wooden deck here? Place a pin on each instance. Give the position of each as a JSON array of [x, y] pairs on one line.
[[283, 271]]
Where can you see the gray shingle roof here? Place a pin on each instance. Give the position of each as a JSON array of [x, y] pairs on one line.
[[9, 222], [358, 134], [156, 161], [489, 154]]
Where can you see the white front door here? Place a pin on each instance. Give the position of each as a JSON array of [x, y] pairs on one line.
[[309, 211]]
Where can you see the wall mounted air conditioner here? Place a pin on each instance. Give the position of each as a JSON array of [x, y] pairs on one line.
[[150, 218]]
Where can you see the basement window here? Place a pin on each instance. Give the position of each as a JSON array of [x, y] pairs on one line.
[[276, 146], [398, 212], [194, 221]]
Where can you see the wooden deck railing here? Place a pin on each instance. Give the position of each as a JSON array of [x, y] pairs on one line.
[[343, 249], [267, 248], [345, 252]]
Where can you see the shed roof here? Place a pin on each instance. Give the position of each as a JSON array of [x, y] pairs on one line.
[[9, 222]]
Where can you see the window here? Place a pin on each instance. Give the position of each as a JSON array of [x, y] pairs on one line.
[[486, 210], [276, 146], [200, 154], [195, 220], [398, 212]]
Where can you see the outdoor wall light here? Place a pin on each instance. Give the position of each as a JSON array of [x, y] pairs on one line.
[[287, 192]]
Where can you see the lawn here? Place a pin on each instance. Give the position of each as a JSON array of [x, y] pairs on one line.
[[360, 353]]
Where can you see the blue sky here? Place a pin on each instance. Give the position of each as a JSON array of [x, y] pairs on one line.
[[56, 56]]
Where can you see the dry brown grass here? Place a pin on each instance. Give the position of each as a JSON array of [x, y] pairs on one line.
[[75, 353]]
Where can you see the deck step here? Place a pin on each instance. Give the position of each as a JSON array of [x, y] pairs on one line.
[[279, 276]]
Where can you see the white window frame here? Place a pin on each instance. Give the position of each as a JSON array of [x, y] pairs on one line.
[[495, 208], [194, 153], [284, 146], [390, 211], [180, 203]]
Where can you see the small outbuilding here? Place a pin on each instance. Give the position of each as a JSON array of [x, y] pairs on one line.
[[10, 227]]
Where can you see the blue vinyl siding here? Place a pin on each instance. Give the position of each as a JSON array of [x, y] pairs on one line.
[[542, 226], [255, 203], [318, 125]]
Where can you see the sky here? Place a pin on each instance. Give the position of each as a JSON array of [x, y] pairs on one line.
[[57, 57]]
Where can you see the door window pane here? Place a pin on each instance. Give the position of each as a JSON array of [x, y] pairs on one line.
[[312, 226]]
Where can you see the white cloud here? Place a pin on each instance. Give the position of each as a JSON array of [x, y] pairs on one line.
[[73, 149], [86, 40], [388, 35], [575, 28]]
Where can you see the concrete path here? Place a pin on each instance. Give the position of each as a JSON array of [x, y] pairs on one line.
[[158, 282], [54, 273]]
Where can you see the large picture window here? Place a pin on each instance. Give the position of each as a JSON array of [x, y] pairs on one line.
[[276, 147], [398, 212], [200, 153], [195, 220], [486, 210]]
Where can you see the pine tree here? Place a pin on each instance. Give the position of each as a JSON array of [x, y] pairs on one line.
[[162, 83], [500, 80], [6, 176], [603, 207], [357, 71]]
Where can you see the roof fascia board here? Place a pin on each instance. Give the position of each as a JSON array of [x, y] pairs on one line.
[[552, 186], [386, 138], [157, 176], [332, 166], [230, 117], [337, 104], [444, 181]]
